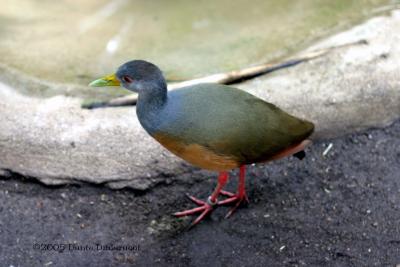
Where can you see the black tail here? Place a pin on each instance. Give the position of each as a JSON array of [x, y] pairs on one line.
[[300, 155]]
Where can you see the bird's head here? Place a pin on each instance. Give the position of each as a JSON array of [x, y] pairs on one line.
[[136, 76]]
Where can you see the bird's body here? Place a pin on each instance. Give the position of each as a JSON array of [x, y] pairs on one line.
[[212, 126], [218, 127]]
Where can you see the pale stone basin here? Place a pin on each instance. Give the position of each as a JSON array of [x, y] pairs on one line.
[[74, 41]]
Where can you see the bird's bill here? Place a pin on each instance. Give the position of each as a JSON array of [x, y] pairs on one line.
[[109, 80]]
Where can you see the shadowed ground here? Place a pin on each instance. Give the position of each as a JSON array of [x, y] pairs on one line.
[[341, 209]]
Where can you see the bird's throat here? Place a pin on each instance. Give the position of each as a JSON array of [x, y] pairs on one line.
[[150, 104]]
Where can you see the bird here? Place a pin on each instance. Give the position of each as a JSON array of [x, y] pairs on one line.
[[212, 126]]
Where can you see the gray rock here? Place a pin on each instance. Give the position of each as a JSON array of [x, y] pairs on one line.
[[57, 142]]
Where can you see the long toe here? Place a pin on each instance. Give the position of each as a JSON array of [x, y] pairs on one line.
[[233, 209], [226, 193], [236, 199], [201, 216], [204, 209], [233, 198], [196, 200], [191, 211]]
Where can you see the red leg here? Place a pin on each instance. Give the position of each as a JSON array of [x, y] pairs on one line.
[[240, 195], [205, 207]]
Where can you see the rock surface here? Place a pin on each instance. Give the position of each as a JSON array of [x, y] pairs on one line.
[[56, 141]]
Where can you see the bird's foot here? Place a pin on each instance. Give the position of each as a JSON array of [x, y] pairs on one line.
[[205, 207], [237, 198]]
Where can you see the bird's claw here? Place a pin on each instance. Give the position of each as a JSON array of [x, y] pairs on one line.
[[204, 207], [196, 200], [233, 198]]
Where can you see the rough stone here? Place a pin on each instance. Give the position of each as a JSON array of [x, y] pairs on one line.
[[58, 142]]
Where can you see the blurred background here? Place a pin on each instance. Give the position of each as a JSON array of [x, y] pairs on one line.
[[75, 41]]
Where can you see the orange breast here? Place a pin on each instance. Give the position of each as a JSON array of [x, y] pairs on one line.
[[196, 154]]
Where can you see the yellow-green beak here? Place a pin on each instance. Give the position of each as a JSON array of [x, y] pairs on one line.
[[109, 80]]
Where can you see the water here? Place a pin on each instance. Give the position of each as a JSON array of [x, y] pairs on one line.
[[75, 41]]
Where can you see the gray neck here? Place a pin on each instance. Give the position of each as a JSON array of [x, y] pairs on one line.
[[151, 101]]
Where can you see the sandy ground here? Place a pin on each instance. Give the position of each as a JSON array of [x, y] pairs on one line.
[[341, 209]]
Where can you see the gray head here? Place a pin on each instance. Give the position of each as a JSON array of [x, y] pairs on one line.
[[140, 76]]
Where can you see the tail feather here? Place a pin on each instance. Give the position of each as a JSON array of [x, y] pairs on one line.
[[300, 155]]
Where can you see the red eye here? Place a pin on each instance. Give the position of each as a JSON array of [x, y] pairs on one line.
[[127, 79]]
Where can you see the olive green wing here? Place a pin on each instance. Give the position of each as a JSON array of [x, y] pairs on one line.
[[233, 123]]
